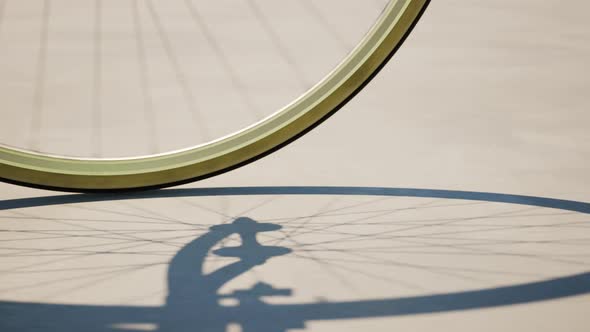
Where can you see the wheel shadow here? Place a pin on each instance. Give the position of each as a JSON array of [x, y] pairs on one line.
[[194, 303]]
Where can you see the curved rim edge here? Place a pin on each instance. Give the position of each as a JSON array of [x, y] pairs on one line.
[[316, 105]]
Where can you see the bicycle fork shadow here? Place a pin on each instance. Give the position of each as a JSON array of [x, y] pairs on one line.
[[193, 300]]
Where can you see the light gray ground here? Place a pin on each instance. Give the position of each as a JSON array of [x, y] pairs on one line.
[[485, 96]]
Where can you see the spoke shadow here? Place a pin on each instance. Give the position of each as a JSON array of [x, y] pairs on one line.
[[194, 303]]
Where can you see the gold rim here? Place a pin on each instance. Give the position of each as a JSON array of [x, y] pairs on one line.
[[80, 174]]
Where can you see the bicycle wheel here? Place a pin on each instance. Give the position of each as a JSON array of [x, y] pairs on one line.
[[40, 169]]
